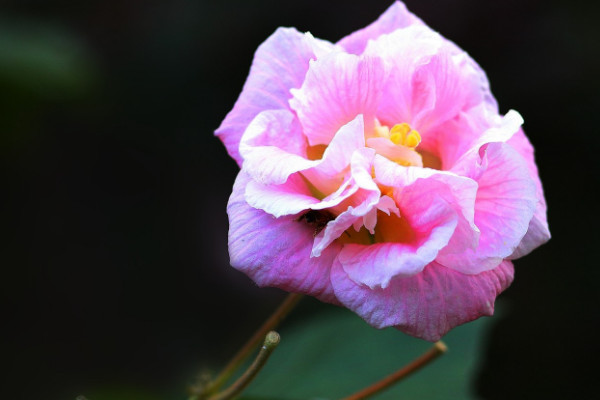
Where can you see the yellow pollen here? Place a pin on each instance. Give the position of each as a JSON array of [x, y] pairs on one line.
[[402, 149], [402, 134], [402, 128], [396, 138], [412, 139]]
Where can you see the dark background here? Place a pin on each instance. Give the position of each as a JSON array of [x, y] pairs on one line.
[[114, 253]]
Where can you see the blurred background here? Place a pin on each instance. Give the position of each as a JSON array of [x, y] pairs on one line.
[[115, 273]]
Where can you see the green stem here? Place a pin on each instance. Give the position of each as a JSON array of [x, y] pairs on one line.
[[434, 352], [274, 320], [271, 341]]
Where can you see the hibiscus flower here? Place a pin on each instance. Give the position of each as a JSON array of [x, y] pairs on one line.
[[377, 173]]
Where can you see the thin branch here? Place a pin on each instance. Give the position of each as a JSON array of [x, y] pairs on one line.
[[271, 341], [282, 311], [434, 352]]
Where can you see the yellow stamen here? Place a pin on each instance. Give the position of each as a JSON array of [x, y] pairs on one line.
[[402, 134], [396, 138], [402, 129], [412, 139], [402, 149]]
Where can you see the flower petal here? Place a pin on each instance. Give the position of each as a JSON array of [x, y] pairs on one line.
[[289, 198], [273, 147], [426, 305], [355, 208], [395, 17], [318, 185], [538, 232], [279, 64], [458, 191], [443, 88], [505, 204], [431, 80], [338, 155], [337, 88], [276, 251], [458, 153], [406, 244], [404, 52], [398, 154]]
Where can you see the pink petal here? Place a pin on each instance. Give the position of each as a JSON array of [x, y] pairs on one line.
[[431, 81], [328, 175], [273, 147], [405, 245], [461, 143], [279, 64], [452, 139], [338, 155], [337, 88], [505, 204], [354, 208], [289, 198], [395, 17], [504, 128], [404, 51], [442, 88], [386, 148], [484, 85], [426, 305], [276, 251], [538, 232], [385, 204], [333, 231], [459, 192]]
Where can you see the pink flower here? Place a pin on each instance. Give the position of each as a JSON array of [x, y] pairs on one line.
[[377, 173]]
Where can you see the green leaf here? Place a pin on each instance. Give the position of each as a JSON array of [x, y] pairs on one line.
[[43, 61], [334, 353], [120, 393]]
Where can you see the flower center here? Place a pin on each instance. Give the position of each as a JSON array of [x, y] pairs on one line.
[[400, 134], [397, 144]]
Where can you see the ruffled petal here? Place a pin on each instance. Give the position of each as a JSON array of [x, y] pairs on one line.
[[356, 208], [489, 101], [443, 88], [458, 191], [461, 144], [337, 88], [338, 155], [273, 147], [426, 305], [276, 251], [398, 154], [404, 52], [289, 198], [317, 184], [431, 81], [403, 245], [452, 139], [279, 64], [538, 232], [505, 204], [395, 17]]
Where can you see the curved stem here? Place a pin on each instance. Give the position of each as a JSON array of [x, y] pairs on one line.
[[271, 341], [434, 352], [282, 311]]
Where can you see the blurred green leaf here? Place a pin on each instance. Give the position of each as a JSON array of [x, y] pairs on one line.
[[121, 393], [42, 60], [334, 354], [41, 65]]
